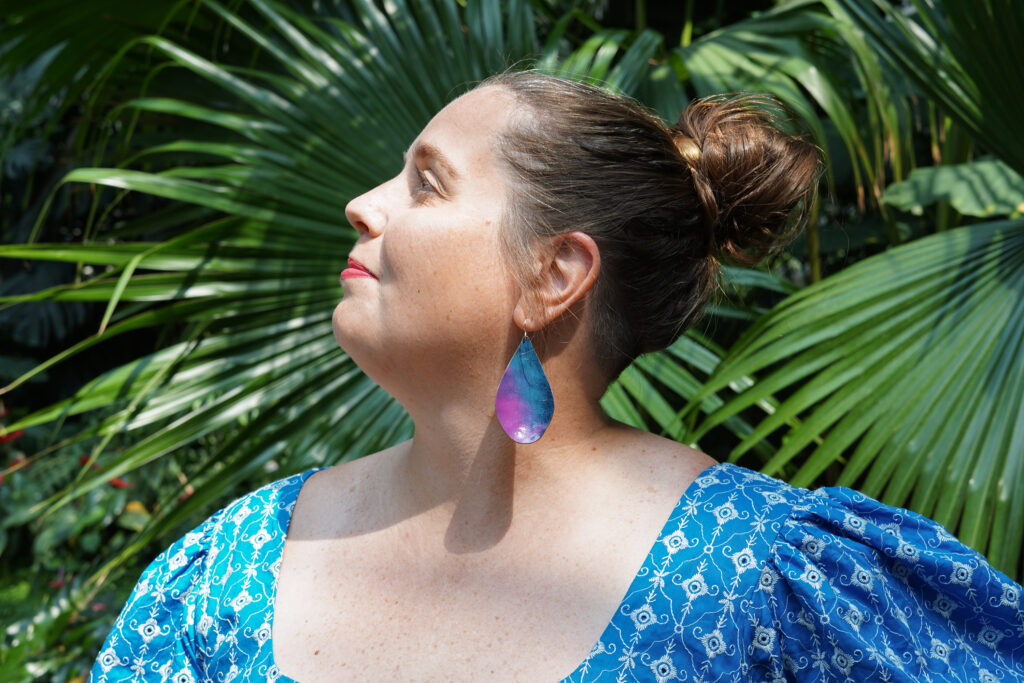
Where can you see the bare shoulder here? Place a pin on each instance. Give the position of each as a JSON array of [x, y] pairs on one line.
[[658, 464], [332, 497]]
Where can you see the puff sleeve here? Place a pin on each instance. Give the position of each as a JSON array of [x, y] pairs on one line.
[[153, 639], [855, 590]]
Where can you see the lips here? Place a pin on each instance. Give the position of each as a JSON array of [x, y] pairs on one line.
[[356, 269]]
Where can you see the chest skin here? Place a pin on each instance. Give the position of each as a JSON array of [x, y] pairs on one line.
[[355, 602]]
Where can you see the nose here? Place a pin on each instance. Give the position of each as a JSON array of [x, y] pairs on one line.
[[365, 214]]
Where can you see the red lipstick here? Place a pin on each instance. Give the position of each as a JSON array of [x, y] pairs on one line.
[[356, 269]]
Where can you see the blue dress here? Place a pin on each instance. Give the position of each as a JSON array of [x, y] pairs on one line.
[[750, 579]]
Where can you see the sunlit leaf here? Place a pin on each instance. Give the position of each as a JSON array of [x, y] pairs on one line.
[[981, 188]]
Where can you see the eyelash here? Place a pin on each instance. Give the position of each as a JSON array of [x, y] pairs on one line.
[[424, 187]]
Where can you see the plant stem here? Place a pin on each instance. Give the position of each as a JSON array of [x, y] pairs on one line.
[[641, 15], [688, 25], [814, 240]]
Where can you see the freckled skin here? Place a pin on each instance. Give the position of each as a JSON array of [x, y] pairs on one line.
[[459, 555], [437, 259]]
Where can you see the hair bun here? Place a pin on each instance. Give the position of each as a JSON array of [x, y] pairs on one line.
[[748, 174], [687, 146]]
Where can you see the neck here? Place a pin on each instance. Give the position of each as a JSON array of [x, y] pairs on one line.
[[462, 466]]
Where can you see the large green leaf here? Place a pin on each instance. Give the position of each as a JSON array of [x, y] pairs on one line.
[[270, 149], [902, 374], [964, 55], [70, 42], [814, 64], [910, 366], [323, 112], [986, 188]]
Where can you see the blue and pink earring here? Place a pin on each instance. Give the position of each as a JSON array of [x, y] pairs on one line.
[[524, 402]]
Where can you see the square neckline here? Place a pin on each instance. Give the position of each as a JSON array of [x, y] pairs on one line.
[[638, 577]]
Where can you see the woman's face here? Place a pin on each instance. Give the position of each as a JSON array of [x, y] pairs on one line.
[[440, 295]]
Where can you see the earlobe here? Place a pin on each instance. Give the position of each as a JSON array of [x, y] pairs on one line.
[[567, 272]]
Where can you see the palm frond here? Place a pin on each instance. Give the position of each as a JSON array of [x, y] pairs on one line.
[[324, 113], [964, 55], [908, 366]]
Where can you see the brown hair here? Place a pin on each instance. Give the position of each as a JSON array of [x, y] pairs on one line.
[[663, 204]]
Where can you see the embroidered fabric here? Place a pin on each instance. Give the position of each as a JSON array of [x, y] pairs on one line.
[[750, 579]]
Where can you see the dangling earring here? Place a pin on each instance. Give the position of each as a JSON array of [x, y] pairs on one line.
[[524, 402]]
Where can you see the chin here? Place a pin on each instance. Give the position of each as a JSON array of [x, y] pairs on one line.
[[353, 340], [345, 330]]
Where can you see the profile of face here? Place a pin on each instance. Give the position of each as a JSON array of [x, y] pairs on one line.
[[441, 294]]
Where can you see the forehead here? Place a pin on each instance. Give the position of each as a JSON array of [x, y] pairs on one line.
[[467, 130]]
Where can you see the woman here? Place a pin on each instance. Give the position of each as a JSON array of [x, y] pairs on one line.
[[510, 543]]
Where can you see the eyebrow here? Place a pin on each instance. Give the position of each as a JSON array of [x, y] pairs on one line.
[[425, 149]]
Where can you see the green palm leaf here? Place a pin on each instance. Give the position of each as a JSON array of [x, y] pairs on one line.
[[324, 115], [812, 63], [908, 365], [965, 55], [985, 188]]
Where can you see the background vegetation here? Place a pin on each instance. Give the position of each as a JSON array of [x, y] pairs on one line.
[[174, 176]]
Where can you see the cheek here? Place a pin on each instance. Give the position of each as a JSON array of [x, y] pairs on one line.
[[447, 273]]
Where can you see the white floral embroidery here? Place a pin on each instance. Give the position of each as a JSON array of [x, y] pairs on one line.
[[107, 659], [240, 601], [943, 534], [892, 528], [990, 636], [764, 638], [842, 661], [812, 577], [744, 560], [839, 593], [205, 622], [643, 617], [178, 560], [675, 541], [961, 574], [812, 546], [1010, 596], [768, 580], [695, 587], [263, 633], [853, 523], [663, 669], [861, 578], [906, 551], [149, 630], [805, 620], [714, 643], [240, 514], [260, 539], [854, 617], [940, 650], [725, 512], [183, 676], [943, 605]]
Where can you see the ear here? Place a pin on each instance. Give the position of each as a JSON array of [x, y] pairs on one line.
[[567, 271]]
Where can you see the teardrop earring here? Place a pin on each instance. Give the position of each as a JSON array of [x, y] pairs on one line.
[[524, 402]]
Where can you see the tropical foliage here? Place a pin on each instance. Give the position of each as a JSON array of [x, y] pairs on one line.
[[174, 180]]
